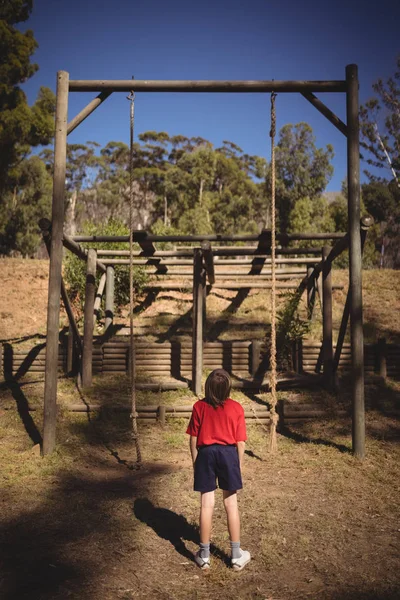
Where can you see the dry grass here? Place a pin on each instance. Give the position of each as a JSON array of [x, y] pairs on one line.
[[81, 523], [319, 523]]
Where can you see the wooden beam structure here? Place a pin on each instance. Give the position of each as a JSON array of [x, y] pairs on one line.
[[53, 304], [263, 239], [90, 290], [261, 87], [208, 261], [327, 318], [355, 284], [349, 86], [80, 117], [110, 292], [98, 298]]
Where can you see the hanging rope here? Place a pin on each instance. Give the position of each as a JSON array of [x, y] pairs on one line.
[[273, 377], [132, 369]]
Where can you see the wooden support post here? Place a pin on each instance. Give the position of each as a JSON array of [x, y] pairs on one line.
[[88, 319], [110, 283], [45, 226], [208, 261], [53, 305], [318, 282], [197, 339], [161, 413], [297, 356], [382, 353], [365, 224], [311, 291], [99, 295], [327, 318], [342, 333], [355, 286], [255, 356]]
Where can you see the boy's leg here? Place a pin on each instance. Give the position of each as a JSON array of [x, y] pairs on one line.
[[232, 514], [240, 557], [206, 513]]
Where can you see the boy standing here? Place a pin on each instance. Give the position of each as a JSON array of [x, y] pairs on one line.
[[217, 432]]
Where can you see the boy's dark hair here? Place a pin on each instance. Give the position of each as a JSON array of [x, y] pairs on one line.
[[218, 387]]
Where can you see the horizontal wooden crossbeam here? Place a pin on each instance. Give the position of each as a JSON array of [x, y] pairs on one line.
[[115, 85]]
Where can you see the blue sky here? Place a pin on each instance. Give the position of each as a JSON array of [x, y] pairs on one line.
[[177, 39]]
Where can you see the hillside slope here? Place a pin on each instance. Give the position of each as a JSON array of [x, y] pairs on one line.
[[23, 307]]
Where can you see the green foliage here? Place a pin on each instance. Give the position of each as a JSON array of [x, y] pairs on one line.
[[22, 208], [24, 187], [21, 126], [311, 215], [302, 169], [159, 228], [290, 327], [75, 268]]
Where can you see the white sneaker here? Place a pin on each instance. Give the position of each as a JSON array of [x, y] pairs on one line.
[[239, 563], [203, 563]]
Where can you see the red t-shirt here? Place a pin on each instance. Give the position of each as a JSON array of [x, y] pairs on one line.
[[221, 425]]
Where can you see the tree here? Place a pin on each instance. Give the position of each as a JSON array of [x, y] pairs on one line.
[[21, 126], [380, 127], [302, 169], [24, 183], [311, 215], [22, 208]]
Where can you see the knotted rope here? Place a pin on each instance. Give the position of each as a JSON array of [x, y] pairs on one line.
[[272, 375], [132, 366]]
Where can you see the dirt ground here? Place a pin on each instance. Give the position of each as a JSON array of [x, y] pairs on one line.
[[81, 523], [230, 315]]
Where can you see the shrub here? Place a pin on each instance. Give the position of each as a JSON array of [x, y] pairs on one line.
[[75, 268]]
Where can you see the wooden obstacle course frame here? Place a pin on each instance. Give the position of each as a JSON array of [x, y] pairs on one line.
[[348, 86]]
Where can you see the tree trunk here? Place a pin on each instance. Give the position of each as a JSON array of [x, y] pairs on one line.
[[165, 211], [201, 191]]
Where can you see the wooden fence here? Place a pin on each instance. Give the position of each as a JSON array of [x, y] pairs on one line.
[[173, 360]]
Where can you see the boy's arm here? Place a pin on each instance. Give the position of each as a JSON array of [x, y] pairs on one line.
[[193, 447], [241, 446]]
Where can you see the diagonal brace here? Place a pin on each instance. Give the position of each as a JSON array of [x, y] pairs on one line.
[[324, 110]]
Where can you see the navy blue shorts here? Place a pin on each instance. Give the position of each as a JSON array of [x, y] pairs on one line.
[[217, 462]]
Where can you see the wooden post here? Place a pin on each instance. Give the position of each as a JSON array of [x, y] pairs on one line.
[[88, 319], [99, 295], [110, 284], [161, 413], [318, 283], [311, 291], [53, 305], [255, 356], [208, 261], [327, 317], [70, 351], [355, 284], [381, 350], [197, 339]]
